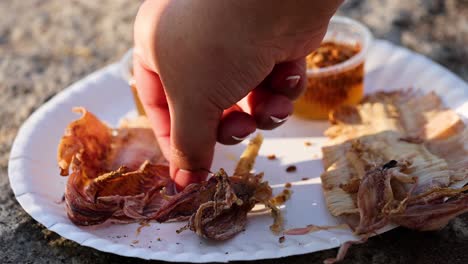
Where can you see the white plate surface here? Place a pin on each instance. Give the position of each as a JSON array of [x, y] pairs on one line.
[[35, 180]]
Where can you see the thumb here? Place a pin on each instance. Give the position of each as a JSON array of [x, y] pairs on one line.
[[193, 137]]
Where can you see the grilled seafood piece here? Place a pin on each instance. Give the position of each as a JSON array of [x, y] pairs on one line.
[[398, 157], [217, 209], [120, 175], [113, 171], [426, 141]]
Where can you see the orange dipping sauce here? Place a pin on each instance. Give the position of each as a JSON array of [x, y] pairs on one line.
[[327, 90]]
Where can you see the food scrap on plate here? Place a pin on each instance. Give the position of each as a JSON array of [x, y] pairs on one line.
[[120, 175], [217, 209]]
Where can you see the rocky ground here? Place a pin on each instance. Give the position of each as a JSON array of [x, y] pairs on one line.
[[45, 45]]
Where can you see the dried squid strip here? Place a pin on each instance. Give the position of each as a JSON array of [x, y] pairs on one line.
[[97, 189], [116, 174], [390, 126], [88, 138], [344, 249], [217, 209], [398, 158], [313, 228], [247, 159], [226, 214]]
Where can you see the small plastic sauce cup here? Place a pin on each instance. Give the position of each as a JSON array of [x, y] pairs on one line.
[[335, 71]]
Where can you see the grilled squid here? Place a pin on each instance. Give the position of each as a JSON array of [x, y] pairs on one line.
[[120, 175]]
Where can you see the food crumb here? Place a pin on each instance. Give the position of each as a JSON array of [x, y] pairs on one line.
[[142, 224], [135, 242], [61, 200], [291, 168], [159, 239], [282, 197], [307, 144], [305, 179], [231, 156], [288, 185], [281, 239], [271, 157]]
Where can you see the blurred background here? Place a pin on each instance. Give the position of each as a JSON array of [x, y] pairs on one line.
[[45, 45]]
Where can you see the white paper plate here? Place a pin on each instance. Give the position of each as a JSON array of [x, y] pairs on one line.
[[34, 174]]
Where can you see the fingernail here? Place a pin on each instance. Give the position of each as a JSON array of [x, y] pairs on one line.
[[183, 178], [240, 138], [278, 120], [293, 80]]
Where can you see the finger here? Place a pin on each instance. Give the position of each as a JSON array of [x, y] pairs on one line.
[[288, 78], [193, 137], [234, 108], [153, 98], [235, 126], [269, 110]]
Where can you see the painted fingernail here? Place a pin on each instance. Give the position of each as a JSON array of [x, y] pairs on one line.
[[278, 120], [293, 80], [240, 138]]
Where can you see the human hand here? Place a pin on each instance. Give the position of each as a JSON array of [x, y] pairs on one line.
[[213, 70]]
